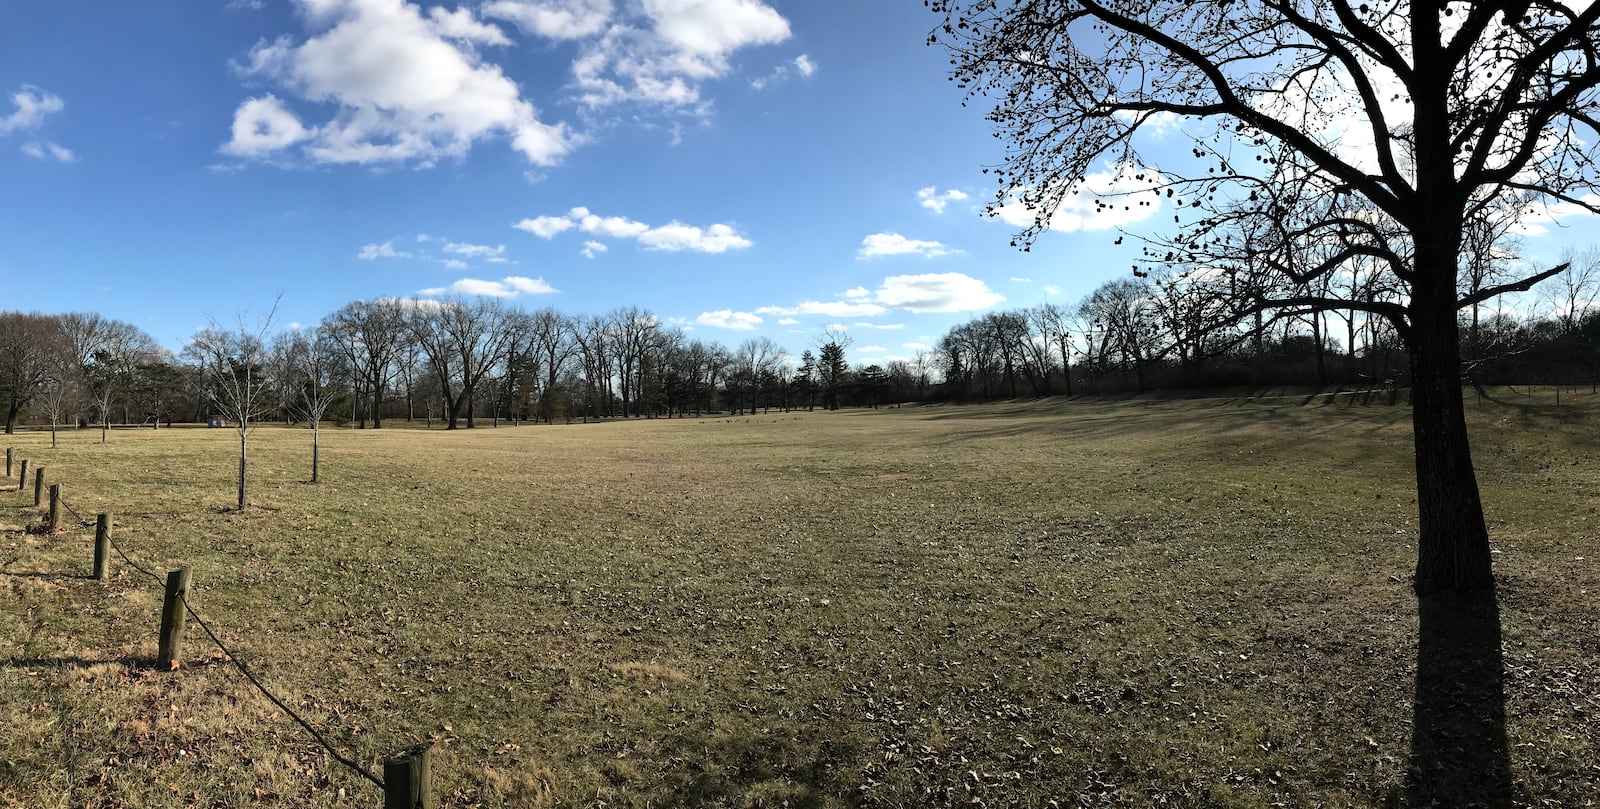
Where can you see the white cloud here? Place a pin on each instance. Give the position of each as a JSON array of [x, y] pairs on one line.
[[455, 264], [553, 19], [592, 249], [714, 28], [407, 88], [663, 57], [460, 24], [936, 292], [1017, 279], [826, 309], [932, 292], [530, 286], [804, 64], [917, 346], [617, 227], [672, 237], [729, 319], [935, 201], [788, 321], [385, 250], [1052, 289], [676, 236], [508, 287], [1104, 200], [494, 255], [893, 244], [858, 292], [262, 126], [49, 150], [32, 106], [545, 227]]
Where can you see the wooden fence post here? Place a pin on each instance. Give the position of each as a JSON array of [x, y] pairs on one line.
[[102, 545], [55, 506], [406, 780], [22, 481], [8, 462], [173, 614], [38, 487]]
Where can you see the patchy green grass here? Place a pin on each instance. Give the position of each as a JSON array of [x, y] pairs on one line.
[[1190, 603]]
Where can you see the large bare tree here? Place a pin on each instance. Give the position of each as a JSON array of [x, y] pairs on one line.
[[1425, 114], [27, 345], [237, 381], [373, 337], [463, 341]]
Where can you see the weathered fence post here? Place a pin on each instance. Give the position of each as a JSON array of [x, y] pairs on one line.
[[406, 780], [55, 506], [38, 487], [8, 462], [102, 545], [173, 613], [22, 481]]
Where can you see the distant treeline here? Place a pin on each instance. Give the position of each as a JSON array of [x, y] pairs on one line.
[[461, 361], [453, 361], [1132, 336]]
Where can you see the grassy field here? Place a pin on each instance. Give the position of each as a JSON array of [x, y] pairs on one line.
[[1182, 603]]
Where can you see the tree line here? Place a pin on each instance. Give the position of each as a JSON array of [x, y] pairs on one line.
[[1144, 333], [455, 361]]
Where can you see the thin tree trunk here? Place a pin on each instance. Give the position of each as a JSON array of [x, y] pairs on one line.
[[243, 455], [314, 452]]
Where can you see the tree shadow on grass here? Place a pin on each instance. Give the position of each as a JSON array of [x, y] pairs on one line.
[[63, 662], [1459, 754], [39, 574]]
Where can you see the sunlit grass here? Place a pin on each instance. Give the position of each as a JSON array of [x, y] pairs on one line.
[[1196, 602]]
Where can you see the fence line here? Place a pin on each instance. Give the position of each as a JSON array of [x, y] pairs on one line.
[[228, 653]]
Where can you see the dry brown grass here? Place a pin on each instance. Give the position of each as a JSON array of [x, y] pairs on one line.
[[1195, 603]]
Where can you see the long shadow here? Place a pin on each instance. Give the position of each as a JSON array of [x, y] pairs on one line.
[[1459, 754], [36, 574], [64, 662]]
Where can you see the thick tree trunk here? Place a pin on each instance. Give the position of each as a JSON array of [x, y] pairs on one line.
[[1322, 360], [1453, 546], [1459, 751]]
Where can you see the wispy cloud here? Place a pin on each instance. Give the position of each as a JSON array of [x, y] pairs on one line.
[[49, 150], [372, 252]]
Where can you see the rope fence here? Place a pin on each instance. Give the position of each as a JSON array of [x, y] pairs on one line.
[[405, 774]]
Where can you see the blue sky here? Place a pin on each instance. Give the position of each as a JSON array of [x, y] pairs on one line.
[[737, 167]]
